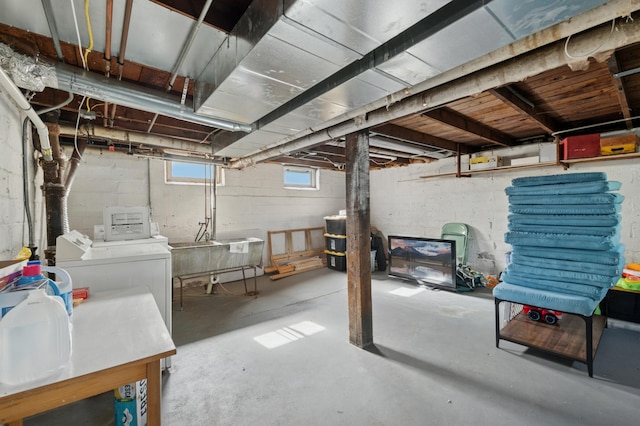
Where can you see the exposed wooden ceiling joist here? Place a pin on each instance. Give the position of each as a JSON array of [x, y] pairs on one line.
[[614, 67], [403, 133], [511, 98], [459, 121]]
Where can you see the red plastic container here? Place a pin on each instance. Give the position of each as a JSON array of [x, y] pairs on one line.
[[584, 146]]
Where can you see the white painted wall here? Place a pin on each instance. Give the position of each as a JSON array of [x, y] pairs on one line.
[[13, 225], [252, 202], [404, 204]]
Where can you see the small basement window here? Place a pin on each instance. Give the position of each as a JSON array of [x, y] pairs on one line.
[[297, 177], [182, 173]]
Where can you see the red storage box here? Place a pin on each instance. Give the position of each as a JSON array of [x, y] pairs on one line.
[[583, 146]]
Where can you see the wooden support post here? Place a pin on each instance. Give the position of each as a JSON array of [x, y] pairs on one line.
[[358, 239]]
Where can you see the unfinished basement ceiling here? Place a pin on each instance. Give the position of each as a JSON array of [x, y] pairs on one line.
[[296, 76]]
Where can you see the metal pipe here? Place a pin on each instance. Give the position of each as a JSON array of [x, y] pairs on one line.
[[121, 93], [107, 42], [25, 182], [53, 28], [74, 162], [123, 47], [183, 53], [125, 32], [141, 139], [12, 90], [107, 56]]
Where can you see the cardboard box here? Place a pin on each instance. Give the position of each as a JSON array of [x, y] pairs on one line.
[[534, 159], [130, 404], [548, 153], [10, 271], [492, 162], [584, 146], [619, 145], [478, 160]]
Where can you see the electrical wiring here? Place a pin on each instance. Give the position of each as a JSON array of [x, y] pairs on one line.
[[75, 21], [89, 107], [585, 55], [86, 15], [90, 47], [75, 134]]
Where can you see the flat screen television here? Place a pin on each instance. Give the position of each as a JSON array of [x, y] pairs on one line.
[[425, 261]]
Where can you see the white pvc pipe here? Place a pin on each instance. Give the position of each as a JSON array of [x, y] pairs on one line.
[[12, 90]]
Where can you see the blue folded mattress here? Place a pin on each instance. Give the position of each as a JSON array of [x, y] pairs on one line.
[[608, 257], [567, 220], [565, 188], [562, 276], [566, 209], [559, 178], [589, 199], [567, 265], [570, 303], [604, 231], [539, 239], [592, 292]]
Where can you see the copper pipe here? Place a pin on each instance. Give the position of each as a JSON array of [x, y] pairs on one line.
[[107, 55], [125, 31], [123, 48]]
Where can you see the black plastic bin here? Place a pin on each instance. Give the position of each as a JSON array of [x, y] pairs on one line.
[[336, 225], [335, 242]]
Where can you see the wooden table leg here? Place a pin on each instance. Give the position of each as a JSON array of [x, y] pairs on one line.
[[15, 423], [154, 396]]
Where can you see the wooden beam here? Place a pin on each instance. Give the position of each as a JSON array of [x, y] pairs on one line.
[[358, 240], [614, 68], [510, 98], [455, 119], [399, 132]]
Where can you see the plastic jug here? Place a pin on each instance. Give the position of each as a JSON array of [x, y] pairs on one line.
[[31, 279], [65, 286], [35, 339]]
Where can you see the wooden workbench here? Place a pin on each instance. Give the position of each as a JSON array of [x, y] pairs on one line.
[[118, 337]]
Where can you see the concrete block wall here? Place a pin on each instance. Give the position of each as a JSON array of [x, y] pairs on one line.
[[251, 199], [251, 203], [402, 203], [13, 225]]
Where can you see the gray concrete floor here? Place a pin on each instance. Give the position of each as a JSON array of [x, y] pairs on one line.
[[434, 362]]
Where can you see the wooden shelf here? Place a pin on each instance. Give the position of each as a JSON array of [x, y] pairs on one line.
[[602, 158], [561, 163], [469, 173], [567, 338]]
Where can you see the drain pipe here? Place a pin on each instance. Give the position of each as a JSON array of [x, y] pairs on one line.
[[54, 197], [183, 53]]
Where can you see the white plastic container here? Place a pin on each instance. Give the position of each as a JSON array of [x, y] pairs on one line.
[[35, 339], [65, 286]]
